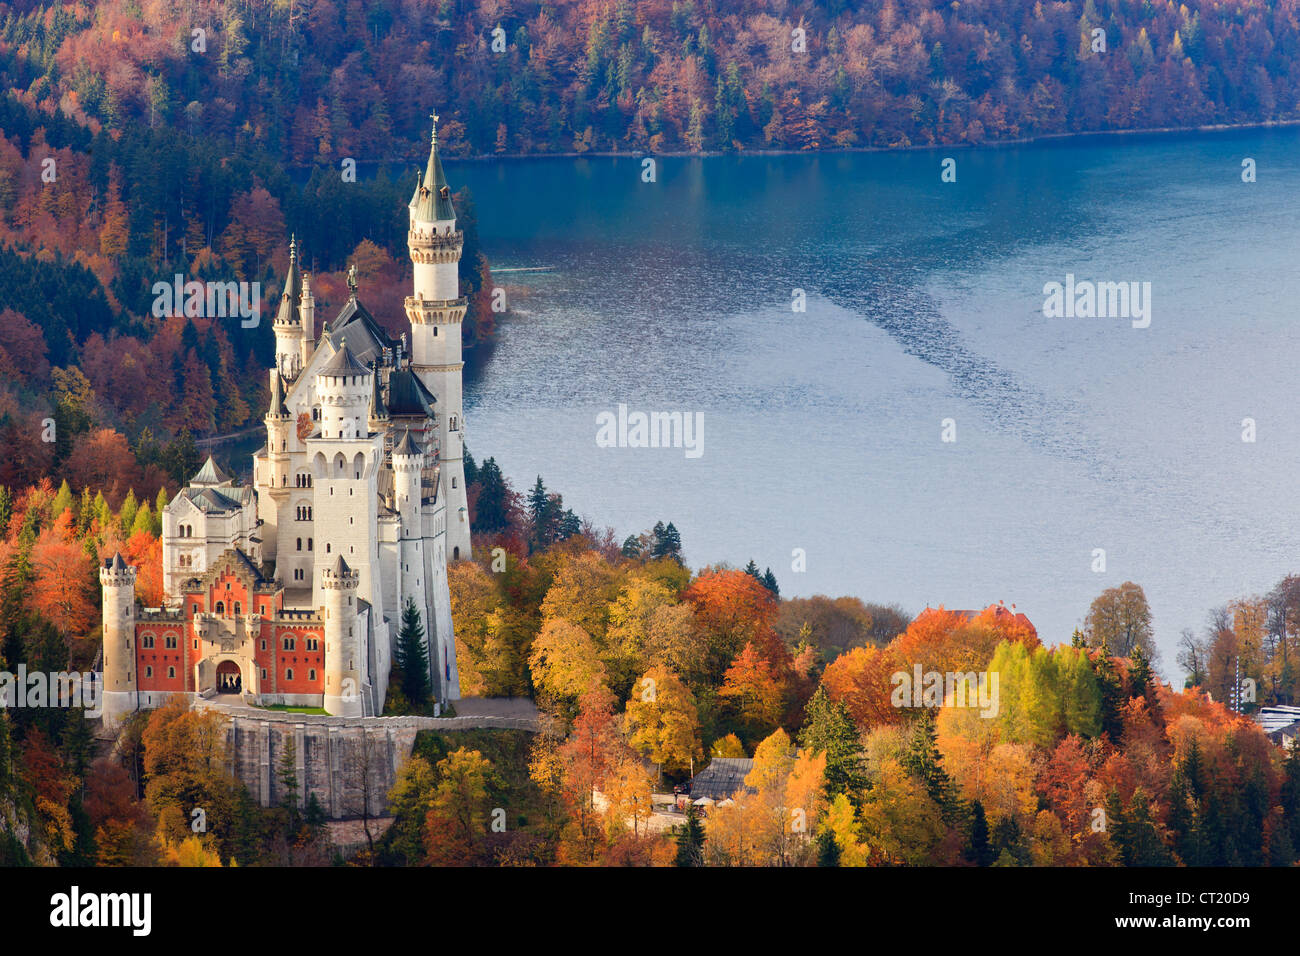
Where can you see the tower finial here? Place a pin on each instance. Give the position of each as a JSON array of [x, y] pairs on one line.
[[352, 279], [434, 116], [293, 247]]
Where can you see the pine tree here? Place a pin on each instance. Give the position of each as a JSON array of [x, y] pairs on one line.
[[491, 512], [632, 547], [62, 501], [289, 797], [690, 839], [1112, 695], [412, 656], [769, 582], [923, 760], [752, 570], [829, 729], [980, 850], [126, 516], [828, 851]]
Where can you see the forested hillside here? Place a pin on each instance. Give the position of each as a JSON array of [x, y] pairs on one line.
[[317, 80]]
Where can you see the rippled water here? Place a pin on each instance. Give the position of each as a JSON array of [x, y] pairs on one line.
[[822, 429]]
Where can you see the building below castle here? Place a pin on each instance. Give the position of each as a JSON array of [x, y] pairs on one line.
[[290, 591]]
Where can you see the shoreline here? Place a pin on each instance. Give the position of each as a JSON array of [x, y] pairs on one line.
[[1043, 138]]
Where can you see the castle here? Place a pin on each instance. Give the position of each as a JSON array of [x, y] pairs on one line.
[[291, 592]]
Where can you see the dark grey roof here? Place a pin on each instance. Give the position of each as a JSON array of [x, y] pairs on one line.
[[407, 395], [722, 778], [341, 567], [210, 474], [406, 446], [117, 564], [367, 339], [343, 363]]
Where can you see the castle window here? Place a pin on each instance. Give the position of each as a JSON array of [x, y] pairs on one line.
[[238, 609], [221, 607], [312, 644], [288, 673], [453, 482], [148, 672], [171, 672], [309, 544], [169, 642], [288, 643], [146, 641], [300, 544], [263, 643], [327, 547], [263, 673], [311, 674], [196, 645]]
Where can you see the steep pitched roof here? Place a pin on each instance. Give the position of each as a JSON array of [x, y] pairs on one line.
[[407, 395], [286, 315], [343, 363], [367, 339], [210, 474], [432, 198], [407, 446]]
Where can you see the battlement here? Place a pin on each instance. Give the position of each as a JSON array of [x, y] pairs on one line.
[[423, 311]]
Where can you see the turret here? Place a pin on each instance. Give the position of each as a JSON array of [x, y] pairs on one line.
[[289, 345], [343, 658], [343, 386], [117, 579]]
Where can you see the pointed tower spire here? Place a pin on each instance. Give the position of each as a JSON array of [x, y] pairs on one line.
[[432, 199]]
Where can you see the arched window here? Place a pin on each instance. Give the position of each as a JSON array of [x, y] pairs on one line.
[[148, 672], [288, 673], [238, 610], [221, 607], [300, 544], [309, 544], [146, 641], [171, 672]]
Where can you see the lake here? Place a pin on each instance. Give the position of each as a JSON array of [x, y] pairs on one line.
[[823, 429]]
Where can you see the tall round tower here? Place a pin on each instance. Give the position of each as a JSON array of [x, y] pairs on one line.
[[436, 310], [117, 579], [343, 666]]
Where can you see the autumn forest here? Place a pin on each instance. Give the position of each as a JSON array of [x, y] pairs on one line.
[[141, 139]]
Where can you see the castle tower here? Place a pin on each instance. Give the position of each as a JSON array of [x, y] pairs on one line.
[[281, 442], [117, 578], [436, 310], [345, 463], [289, 344], [343, 660]]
